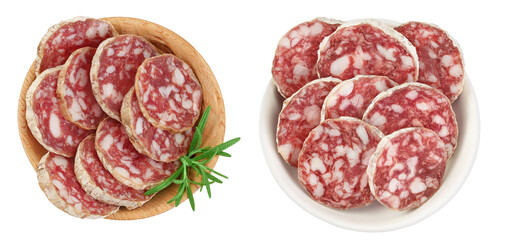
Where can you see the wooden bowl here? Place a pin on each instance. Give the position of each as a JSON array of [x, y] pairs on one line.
[[166, 41]]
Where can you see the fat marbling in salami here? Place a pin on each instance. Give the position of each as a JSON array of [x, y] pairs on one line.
[[295, 59], [99, 183], [45, 119], [124, 162], [114, 69], [168, 92], [407, 168], [414, 105], [441, 62], [299, 115], [351, 98], [156, 143], [58, 181], [367, 47], [65, 37], [74, 90], [333, 162]]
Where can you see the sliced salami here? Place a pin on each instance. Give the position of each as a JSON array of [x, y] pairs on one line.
[[367, 47], [352, 97], [414, 105], [168, 92], [65, 37], [158, 144], [441, 62], [114, 69], [58, 181], [333, 162], [296, 56], [74, 91], [45, 119], [99, 183], [407, 168], [124, 162], [299, 115]]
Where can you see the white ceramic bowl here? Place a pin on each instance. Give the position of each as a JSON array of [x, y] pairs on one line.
[[374, 217]]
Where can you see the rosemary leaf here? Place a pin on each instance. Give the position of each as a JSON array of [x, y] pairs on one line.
[[195, 161], [219, 148], [224, 154], [203, 120], [190, 196], [165, 183]]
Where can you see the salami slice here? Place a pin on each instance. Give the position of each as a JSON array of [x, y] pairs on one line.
[[99, 183], [333, 162], [74, 91], [414, 105], [352, 97], [299, 115], [45, 119], [124, 162], [367, 47], [114, 69], [158, 144], [441, 62], [58, 181], [65, 37], [296, 56], [168, 92], [407, 168]]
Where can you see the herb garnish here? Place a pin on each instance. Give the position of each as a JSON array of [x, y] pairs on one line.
[[196, 160]]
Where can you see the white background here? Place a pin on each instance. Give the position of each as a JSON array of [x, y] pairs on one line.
[[238, 40]]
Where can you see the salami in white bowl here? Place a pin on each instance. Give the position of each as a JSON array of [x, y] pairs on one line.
[[367, 47], [299, 115], [407, 168], [414, 105], [294, 64], [351, 98], [441, 61], [333, 161]]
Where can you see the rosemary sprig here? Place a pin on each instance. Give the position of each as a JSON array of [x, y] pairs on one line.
[[196, 160]]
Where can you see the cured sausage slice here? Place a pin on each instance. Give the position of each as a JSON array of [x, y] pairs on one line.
[[351, 98], [158, 144], [124, 162], [58, 181], [45, 119], [367, 47], [299, 115], [168, 92], [114, 69], [65, 37], [99, 183], [333, 162], [296, 56], [74, 91], [407, 168], [414, 105], [441, 62]]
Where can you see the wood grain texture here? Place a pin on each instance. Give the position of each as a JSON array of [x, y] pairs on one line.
[[166, 41]]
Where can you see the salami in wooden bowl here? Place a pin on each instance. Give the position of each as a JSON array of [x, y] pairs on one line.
[[166, 41]]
